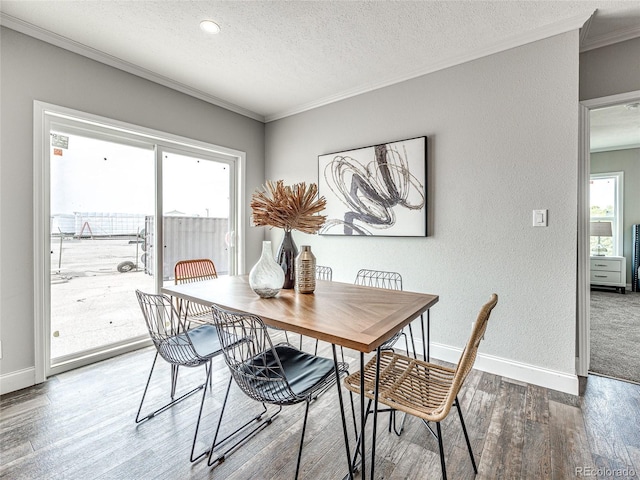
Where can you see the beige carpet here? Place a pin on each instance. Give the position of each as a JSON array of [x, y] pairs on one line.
[[615, 335]]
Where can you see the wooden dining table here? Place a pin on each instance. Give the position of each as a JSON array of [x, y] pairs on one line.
[[352, 316]]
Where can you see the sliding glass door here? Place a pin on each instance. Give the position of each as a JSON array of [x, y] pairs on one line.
[[100, 190]]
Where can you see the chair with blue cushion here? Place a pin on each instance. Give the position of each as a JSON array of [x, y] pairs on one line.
[[272, 374]]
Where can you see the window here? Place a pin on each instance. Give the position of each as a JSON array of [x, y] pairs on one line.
[[605, 194]]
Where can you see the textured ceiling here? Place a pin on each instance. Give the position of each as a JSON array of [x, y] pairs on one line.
[[276, 58]]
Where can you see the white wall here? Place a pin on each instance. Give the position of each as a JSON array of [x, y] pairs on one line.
[[34, 70], [502, 141]]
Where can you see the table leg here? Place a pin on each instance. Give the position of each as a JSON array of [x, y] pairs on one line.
[[425, 341], [344, 421], [375, 415], [362, 418]]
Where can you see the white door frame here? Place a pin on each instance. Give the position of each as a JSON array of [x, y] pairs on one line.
[[583, 327], [43, 113]]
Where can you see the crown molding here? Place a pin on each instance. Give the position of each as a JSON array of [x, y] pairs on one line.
[[59, 41], [557, 28], [630, 146], [610, 38]]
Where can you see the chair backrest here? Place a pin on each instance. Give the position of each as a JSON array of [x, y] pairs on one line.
[[167, 330], [187, 271], [324, 273], [379, 279], [253, 361], [468, 356]]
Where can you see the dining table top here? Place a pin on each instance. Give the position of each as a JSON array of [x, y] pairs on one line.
[[353, 316]]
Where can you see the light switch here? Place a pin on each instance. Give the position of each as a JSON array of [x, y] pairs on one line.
[[540, 218]]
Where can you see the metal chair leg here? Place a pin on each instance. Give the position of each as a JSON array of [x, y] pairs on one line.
[[466, 436], [304, 428], [221, 458], [195, 435], [165, 407], [441, 449]]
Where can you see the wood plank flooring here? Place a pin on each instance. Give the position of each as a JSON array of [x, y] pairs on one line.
[[80, 425]]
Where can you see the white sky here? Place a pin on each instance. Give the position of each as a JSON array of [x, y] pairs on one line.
[[99, 176]]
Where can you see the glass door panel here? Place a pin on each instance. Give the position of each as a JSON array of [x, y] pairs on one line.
[[197, 206], [102, 193]]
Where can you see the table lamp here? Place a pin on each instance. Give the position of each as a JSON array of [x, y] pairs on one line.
[[600, 229]]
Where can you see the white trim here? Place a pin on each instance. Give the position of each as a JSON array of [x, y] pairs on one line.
[[543, 377], [98, 355], [88, 52], [613, 149], [557, 28], [583, 292], [17, 380], [611, 100], [607, 39], [583, 321]]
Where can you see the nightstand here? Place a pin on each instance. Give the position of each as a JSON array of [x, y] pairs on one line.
[[609, 272]]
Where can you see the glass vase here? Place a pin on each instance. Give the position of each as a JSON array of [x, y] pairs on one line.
[[266, 277], [286, 257]]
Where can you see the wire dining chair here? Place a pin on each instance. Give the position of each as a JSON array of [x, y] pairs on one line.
[[178, 346], [272, 374]]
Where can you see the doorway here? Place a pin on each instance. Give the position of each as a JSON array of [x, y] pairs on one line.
[[613, 159]]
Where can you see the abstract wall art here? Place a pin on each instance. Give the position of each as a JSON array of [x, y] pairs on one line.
[[378, 190]]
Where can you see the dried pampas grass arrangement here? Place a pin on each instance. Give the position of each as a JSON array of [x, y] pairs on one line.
[[288, 207]]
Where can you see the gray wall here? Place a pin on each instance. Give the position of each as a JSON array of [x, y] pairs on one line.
[[34, 70], [502, 141], [627, 161], [610, 70]]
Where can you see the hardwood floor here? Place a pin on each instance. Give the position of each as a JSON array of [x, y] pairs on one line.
[[80, 424]]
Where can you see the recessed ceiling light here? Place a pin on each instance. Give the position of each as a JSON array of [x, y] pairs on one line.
[[209, 26], [633, 106]]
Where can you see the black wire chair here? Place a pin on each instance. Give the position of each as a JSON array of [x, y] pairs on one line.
[[276, 375], [181, 346]]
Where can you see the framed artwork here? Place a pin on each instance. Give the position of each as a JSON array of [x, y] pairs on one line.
[[378, 190]]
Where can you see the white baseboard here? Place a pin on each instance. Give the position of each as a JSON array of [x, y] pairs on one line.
[[523, 372], [17, 380]]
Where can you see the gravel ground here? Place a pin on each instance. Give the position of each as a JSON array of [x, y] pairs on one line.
[[92, 303]]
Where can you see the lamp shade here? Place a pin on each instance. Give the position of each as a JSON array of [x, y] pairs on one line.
[[601, 229]]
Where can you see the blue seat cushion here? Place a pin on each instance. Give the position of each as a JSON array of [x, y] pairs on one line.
[[304, 372], [205, 340]]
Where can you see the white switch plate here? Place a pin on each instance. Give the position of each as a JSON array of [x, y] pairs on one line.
[[540, 218]]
